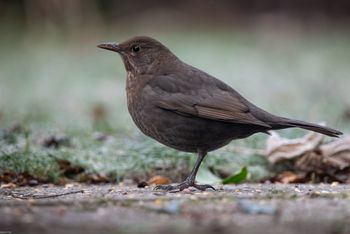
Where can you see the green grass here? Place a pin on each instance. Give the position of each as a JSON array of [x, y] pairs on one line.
[[53, 84], [118, 158]]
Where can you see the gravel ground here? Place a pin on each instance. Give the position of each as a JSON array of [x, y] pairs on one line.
[[246, 208]]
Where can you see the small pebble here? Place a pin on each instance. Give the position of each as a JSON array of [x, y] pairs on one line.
[[172, 207], [187, 191], [142, 184], [250, 207], [33, 182]]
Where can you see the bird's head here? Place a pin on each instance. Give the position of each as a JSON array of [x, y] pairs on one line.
[[141, 55]]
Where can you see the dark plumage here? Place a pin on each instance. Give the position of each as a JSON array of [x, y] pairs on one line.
[[188, 109]]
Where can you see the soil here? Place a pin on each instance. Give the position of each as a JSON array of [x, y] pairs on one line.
[[245, 208]]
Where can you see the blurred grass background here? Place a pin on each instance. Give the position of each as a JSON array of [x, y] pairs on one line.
[[292, 59]]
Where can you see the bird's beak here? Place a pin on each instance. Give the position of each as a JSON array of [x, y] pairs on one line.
[[110, 46]]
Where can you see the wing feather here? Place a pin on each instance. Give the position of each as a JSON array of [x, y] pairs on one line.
[[209, 102]]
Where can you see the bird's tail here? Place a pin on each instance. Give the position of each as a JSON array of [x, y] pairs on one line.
[[289, 123]]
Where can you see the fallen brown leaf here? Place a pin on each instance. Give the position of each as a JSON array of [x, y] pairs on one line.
[[157, 180], [310, 158], [310, 162], [287, 177], [8, 186], [279, 149], [68, 169], [99, 178], [21, 179], [337, 153]]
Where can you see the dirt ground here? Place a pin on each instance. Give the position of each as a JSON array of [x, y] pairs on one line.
[[245, 208]]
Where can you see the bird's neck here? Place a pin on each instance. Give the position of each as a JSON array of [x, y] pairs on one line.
[[134, 85]]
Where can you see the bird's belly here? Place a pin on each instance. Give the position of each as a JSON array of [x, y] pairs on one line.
[[186, 133]]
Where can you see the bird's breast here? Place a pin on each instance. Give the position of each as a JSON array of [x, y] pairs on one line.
[[130, 88], [136, 104]]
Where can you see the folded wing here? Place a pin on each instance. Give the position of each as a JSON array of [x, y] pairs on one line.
[[188, 97]]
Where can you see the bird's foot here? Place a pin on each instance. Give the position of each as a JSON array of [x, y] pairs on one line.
[[182, 186]]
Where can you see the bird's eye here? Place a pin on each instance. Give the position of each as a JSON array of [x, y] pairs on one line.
[[135, 48]]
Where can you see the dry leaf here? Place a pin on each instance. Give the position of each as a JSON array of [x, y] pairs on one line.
[[337, 153], [157, 180], [99, 178], [310, 159], [68, 169], [22, 179], [279, 149], [8, 186], [287, 177], [310, 162], [334, 155]]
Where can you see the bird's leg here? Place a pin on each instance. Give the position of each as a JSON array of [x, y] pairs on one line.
[[190, 181]]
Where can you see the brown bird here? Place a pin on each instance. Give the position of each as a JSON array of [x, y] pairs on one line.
[[187, 109]]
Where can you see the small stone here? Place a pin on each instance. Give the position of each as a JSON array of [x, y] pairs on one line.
[[250, 207], [158, 202], [333, 184], [297, 190], [172, 207], [187, 191], [33, 182], [67, 186], [142, 184]]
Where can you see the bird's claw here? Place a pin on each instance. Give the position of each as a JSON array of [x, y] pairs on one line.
[[180, 187], [203, 187], [166, 187]]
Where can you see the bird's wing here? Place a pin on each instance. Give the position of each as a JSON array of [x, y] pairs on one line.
[[209, 99]]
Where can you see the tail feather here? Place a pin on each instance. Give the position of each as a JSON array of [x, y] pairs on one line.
[[287, 123]]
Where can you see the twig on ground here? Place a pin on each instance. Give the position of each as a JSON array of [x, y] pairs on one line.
[[40, 196]]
